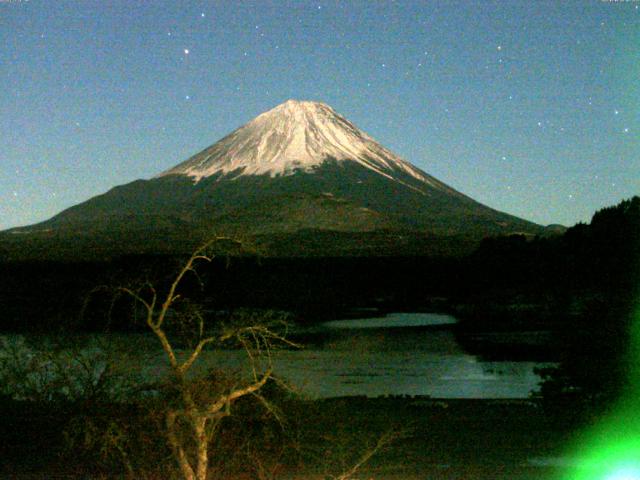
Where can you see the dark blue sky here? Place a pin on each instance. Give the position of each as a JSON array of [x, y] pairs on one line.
[[530, 107]]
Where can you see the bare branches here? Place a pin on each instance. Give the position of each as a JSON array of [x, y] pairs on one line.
[[226, 400], [193, 356], [382, 441], [138, 298], [261, 333], [188, 267], [194, 417], [195, 404]]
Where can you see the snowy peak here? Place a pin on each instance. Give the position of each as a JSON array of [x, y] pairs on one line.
[[295, 136], [289, 179]]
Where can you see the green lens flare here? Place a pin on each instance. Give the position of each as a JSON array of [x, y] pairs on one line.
[[625, 473], [611, 451]]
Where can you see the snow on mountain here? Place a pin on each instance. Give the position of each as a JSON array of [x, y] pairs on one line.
[[299, 179], [297, 136]]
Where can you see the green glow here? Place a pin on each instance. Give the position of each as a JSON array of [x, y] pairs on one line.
[[618, 461], [611, 450], [625, 473]]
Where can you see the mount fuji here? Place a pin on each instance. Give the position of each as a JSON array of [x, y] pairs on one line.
[[298, 179]]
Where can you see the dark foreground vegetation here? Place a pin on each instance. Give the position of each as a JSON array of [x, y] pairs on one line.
[[510, 282], [577, 292], [421, 438], [581, 288]]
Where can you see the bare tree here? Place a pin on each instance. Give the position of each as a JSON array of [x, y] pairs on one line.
[[186, 420], [200, 405]]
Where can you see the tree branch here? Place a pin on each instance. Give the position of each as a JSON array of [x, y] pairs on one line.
[[171, 296], [195, 354], [366, 456], [226, 400], [166, 346], [138, 298]]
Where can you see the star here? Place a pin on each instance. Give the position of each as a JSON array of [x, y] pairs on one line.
[[626, 130], [539, 124], [202, 15], [187, 97], [616, 112], [186, 51], [499, 47]]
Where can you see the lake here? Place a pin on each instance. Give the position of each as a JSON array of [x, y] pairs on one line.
[[398, 354]]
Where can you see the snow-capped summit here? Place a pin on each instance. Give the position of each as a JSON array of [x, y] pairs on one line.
[[295, 136], [299, 179]]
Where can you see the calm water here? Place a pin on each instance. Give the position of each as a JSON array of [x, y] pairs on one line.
[[410, 354], [401, 354]]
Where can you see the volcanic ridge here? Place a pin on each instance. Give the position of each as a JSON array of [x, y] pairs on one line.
[[299, 179]]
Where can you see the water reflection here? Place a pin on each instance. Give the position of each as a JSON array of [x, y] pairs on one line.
[[401, 354], [393, 320]]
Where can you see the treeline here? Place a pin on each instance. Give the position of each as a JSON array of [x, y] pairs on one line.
[[583, 285], [589, 270], [601, 256], [49, 295], [588, 267]]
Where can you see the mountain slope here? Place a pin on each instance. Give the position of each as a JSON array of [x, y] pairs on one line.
[[296, 136], [299, 167]]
